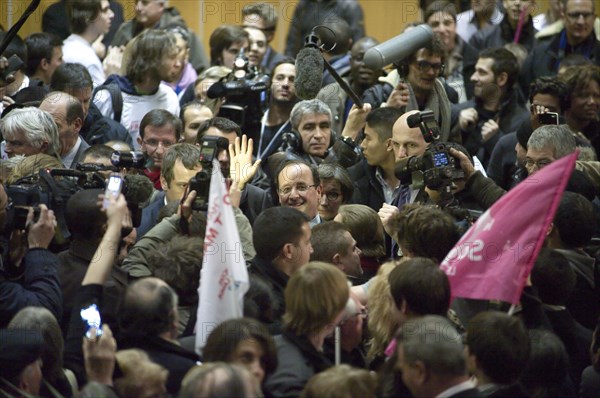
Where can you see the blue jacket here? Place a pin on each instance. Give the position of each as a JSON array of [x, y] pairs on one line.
[[39, 286]]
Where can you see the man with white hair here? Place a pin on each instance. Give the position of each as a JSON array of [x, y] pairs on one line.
[[29, 131]]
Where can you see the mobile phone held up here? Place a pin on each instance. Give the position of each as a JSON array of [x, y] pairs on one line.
[[113, 189], [91, 316], [548, 118]]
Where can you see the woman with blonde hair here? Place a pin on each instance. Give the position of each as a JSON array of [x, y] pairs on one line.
[[31, 165], [316, 296], [382, 326]]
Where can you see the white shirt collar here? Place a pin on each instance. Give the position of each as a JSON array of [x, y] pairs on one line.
[[70, 156], [465, 385]]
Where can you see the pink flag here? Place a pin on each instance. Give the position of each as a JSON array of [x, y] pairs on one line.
[[495, 256], [224, 277]]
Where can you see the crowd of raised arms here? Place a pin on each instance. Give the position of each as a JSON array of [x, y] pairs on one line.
[[345, 210]]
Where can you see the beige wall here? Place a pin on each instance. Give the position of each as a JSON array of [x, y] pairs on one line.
[[383, 18]]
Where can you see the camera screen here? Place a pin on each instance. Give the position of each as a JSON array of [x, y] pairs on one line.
[[440, 159]]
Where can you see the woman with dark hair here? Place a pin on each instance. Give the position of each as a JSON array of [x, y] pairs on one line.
[[38, 318], [316, 296], [245, 342]]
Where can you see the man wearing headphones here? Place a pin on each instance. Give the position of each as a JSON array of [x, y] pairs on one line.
[[311, 131]]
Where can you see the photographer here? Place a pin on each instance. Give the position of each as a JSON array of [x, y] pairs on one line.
[[29, 274]]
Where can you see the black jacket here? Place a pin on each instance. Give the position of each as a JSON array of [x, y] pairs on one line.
[[544, 59], [98, 129], [367, 190], [39, 286], [277, 281]]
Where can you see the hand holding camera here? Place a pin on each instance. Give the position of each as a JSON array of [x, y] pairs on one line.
[[41, 231]]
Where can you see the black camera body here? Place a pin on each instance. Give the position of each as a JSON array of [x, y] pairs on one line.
[[209, 150], [245, 92], [435, 169]]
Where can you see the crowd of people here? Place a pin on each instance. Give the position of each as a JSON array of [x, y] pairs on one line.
[[342, 212]]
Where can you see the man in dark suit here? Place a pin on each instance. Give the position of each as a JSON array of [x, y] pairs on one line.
[[179, 164], [68, 115], [431, 359]]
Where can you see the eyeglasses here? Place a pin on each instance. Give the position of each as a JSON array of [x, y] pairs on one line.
[[574, 16], [154, 144], [333, 196], [300, 188], [425, 66], [529, 163]]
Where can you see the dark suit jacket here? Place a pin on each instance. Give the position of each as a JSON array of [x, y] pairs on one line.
[[79, 155], [150, 215]]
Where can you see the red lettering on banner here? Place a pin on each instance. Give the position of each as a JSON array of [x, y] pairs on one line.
[[224, 282], [227, 199], [211, 235]]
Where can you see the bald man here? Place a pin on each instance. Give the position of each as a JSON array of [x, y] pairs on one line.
[[406, 142], [68, 115]]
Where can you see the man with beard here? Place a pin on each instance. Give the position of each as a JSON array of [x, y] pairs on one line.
[[495, 110], [361, 78], [275, 122]]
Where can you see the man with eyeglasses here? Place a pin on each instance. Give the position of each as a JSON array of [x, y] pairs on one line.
[[577, 37], [299, 187], [159, 129], [495, 109], [414, 85]]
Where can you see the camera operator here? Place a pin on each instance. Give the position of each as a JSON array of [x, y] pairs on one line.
[[29, 274]]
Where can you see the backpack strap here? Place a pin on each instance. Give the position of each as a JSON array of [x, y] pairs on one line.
[[116, 97]]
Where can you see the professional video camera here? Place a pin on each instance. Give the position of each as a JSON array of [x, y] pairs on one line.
[[436, 169], [245, 92], [209, 150]]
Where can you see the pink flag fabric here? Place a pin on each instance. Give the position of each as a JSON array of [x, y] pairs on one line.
[[495, 256], [224, 276]]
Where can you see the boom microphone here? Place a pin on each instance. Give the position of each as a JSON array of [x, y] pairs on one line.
[[399, 47], [309, 73]]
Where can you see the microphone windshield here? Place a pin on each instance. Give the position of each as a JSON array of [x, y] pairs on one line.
[[309, 73], [398, 48], [138, 189]]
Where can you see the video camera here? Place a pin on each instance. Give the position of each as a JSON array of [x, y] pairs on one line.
[[244, 89], [436, 169], [209, 150]]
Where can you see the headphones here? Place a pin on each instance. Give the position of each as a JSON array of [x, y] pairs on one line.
[[293, 139]]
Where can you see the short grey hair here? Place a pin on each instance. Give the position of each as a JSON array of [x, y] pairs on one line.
[[434, 341], [314, 106], [559, 138], [37, 126]]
